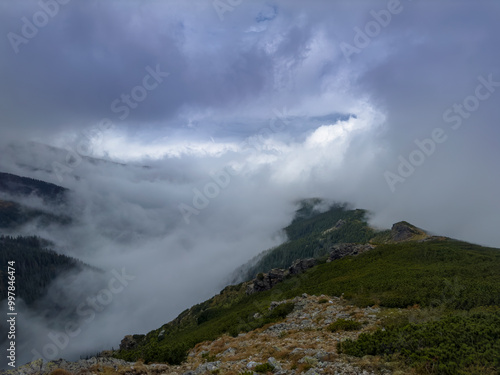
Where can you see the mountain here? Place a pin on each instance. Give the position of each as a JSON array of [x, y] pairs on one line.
[[53, 162], [35, 261], [35, 264], [18, 186], [15, 194], [314, 230], [428, 289], [14, 215], [337, 297]]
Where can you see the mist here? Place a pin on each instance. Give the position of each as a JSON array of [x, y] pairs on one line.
[[236, 117]]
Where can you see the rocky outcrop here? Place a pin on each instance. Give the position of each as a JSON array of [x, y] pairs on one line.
[[82, 367], [299, 344], [347, 249], [404, 231], [128, 343], [301, 265], [265, 281]]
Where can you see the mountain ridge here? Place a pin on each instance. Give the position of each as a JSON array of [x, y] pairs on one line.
[[418, 270]]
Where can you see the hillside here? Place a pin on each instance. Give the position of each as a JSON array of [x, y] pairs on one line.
[[439, 277], [14, 213], [23, 186], [35, 263], [311, 235]]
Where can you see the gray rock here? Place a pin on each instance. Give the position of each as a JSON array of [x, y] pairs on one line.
[[347, 249], [161, 335], [209, 366], [339, 224], [321, 355], [273, 362], [266, 281], [128, 343], [301, 265], [229, 351], [251, 364]]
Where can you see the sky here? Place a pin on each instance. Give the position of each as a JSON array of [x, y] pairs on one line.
[[188, 130]]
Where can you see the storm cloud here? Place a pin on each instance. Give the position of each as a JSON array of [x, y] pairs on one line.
[[187, 132]]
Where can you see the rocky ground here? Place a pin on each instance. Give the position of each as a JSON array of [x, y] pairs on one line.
[[300, 344]]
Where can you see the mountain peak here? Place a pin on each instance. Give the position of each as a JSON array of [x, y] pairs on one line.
[[404, 231]]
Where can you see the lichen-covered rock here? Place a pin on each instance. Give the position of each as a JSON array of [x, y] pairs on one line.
[[347, 249], [302, 265]]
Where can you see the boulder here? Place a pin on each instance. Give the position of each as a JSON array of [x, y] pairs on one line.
[[128, 343], [266, 281], [347, 249], [301, 265]]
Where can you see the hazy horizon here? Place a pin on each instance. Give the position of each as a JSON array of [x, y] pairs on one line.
[[212, 121]]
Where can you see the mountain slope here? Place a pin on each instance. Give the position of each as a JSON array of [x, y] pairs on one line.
[[24, 187], [311, 235], [437, 272], [15, 212], [35, 264], [14, 215]]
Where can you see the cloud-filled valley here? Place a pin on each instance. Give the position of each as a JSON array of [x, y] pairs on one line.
[[204, 166]]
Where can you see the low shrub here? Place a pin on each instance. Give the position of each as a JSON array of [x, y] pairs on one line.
[[457, 344], [264, 368], [344, 325]]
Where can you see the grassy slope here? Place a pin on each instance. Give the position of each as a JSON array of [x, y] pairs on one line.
[[311, 236], [447, 273]]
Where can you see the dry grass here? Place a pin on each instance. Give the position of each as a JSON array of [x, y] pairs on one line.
[[259, 345], [60, 371]]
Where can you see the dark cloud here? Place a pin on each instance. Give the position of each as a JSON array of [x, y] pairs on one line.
[[266, 93]]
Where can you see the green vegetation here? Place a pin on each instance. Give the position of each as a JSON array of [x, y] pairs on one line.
[[312, 234], [450, 274], [24, 186], [35, 264], [13, 215], [459, 343], [264, 368], [344, 325]]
